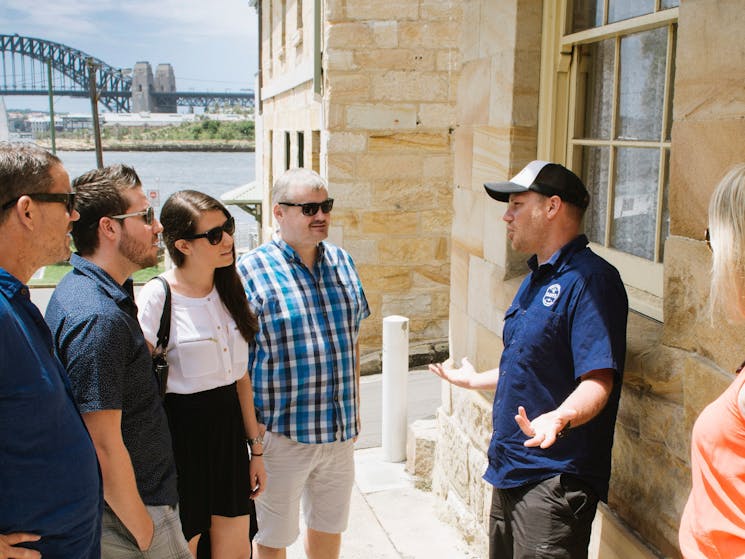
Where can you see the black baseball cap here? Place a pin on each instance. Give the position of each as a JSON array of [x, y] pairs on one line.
[[549, 179]]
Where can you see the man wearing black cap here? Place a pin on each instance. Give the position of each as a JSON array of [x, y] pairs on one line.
[[559, 378]]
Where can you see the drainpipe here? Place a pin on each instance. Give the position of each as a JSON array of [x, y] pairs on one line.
[[317, 50]]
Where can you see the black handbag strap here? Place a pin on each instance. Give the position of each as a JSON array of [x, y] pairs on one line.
[[164, 331]]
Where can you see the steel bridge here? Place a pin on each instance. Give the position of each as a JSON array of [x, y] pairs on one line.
[[26, 64]]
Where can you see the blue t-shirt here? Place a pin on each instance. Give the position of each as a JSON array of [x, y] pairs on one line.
[[568, 318], [97, 337], [50, 483]]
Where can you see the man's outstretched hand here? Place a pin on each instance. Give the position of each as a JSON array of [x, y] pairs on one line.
[[544, 429], [462, 376], [465, 376]]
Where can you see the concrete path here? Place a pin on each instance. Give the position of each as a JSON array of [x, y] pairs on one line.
[[390, 518]]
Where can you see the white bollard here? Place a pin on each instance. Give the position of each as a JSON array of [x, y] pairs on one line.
[[395, 373]]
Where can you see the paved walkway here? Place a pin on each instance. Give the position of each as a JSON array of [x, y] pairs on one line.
[[390, 518]]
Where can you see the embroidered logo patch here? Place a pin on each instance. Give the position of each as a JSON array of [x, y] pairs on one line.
[[552, 293]]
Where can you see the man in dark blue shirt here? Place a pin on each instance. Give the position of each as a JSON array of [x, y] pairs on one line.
[[93, 319], [50, 487], [564, 348]]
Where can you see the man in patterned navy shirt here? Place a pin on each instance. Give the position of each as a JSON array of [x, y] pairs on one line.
[[304, 365], [93, 318]]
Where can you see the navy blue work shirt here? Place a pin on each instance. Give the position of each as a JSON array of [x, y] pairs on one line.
[[98, 338], [50, 484], [567, 319]]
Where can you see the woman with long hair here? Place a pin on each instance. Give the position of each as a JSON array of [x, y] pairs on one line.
[[713, 523], [209, 398]]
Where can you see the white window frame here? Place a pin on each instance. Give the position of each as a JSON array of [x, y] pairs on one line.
[[559, 104]]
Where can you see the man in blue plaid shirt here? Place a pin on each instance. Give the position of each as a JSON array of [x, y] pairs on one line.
[[304, 364]]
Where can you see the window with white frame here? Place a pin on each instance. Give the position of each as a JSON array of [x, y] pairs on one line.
[[618, 91]]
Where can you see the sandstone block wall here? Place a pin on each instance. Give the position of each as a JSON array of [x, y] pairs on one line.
[[424, 100], [390, 75], [676, 368], [384, 125], [673, 368]]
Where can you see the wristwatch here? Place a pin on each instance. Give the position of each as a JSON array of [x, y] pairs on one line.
[[255, 440]]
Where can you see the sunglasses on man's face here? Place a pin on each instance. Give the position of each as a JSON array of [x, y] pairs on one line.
[[66, 198], [311, 208], [214, 235], [148, 215]]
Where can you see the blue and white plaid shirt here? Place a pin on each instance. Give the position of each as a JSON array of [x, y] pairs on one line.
[[302, 361]]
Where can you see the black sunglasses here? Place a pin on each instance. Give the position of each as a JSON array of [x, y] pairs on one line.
[[66, 198], [311, 208], [148, 215], [214, 235]]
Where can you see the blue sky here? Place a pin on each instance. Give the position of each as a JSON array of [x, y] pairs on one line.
[[212, 44]]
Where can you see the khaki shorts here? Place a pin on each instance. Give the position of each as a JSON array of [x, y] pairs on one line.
[[320, 476], [168, 541]]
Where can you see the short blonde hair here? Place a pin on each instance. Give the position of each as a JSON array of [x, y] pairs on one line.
[[727, 237]]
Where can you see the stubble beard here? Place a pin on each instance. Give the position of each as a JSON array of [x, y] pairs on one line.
[[142, 256]]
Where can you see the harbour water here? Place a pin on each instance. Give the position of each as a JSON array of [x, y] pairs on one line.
[[166, 172]]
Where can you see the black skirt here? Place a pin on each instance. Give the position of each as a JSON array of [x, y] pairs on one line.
[[209, 444]]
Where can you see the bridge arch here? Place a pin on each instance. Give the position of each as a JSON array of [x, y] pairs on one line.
[[113, 86]]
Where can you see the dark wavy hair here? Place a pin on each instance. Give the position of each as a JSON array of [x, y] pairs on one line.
[[179, 218], [100, 193]]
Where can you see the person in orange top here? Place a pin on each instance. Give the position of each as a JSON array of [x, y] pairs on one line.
[[713, 522]]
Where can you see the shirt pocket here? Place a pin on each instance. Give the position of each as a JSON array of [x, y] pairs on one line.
[[284, 316], [352, 295], [543, 337], [199, 358], [240, 353], [508, 330]]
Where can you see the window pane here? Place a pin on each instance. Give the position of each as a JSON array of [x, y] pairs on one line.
[[669, 4], [635, 201], [595, 163], [586, 14], [625, 9], [599, 94], [642, 85]]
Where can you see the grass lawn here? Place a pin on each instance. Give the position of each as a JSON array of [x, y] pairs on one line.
[[53, 274]]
